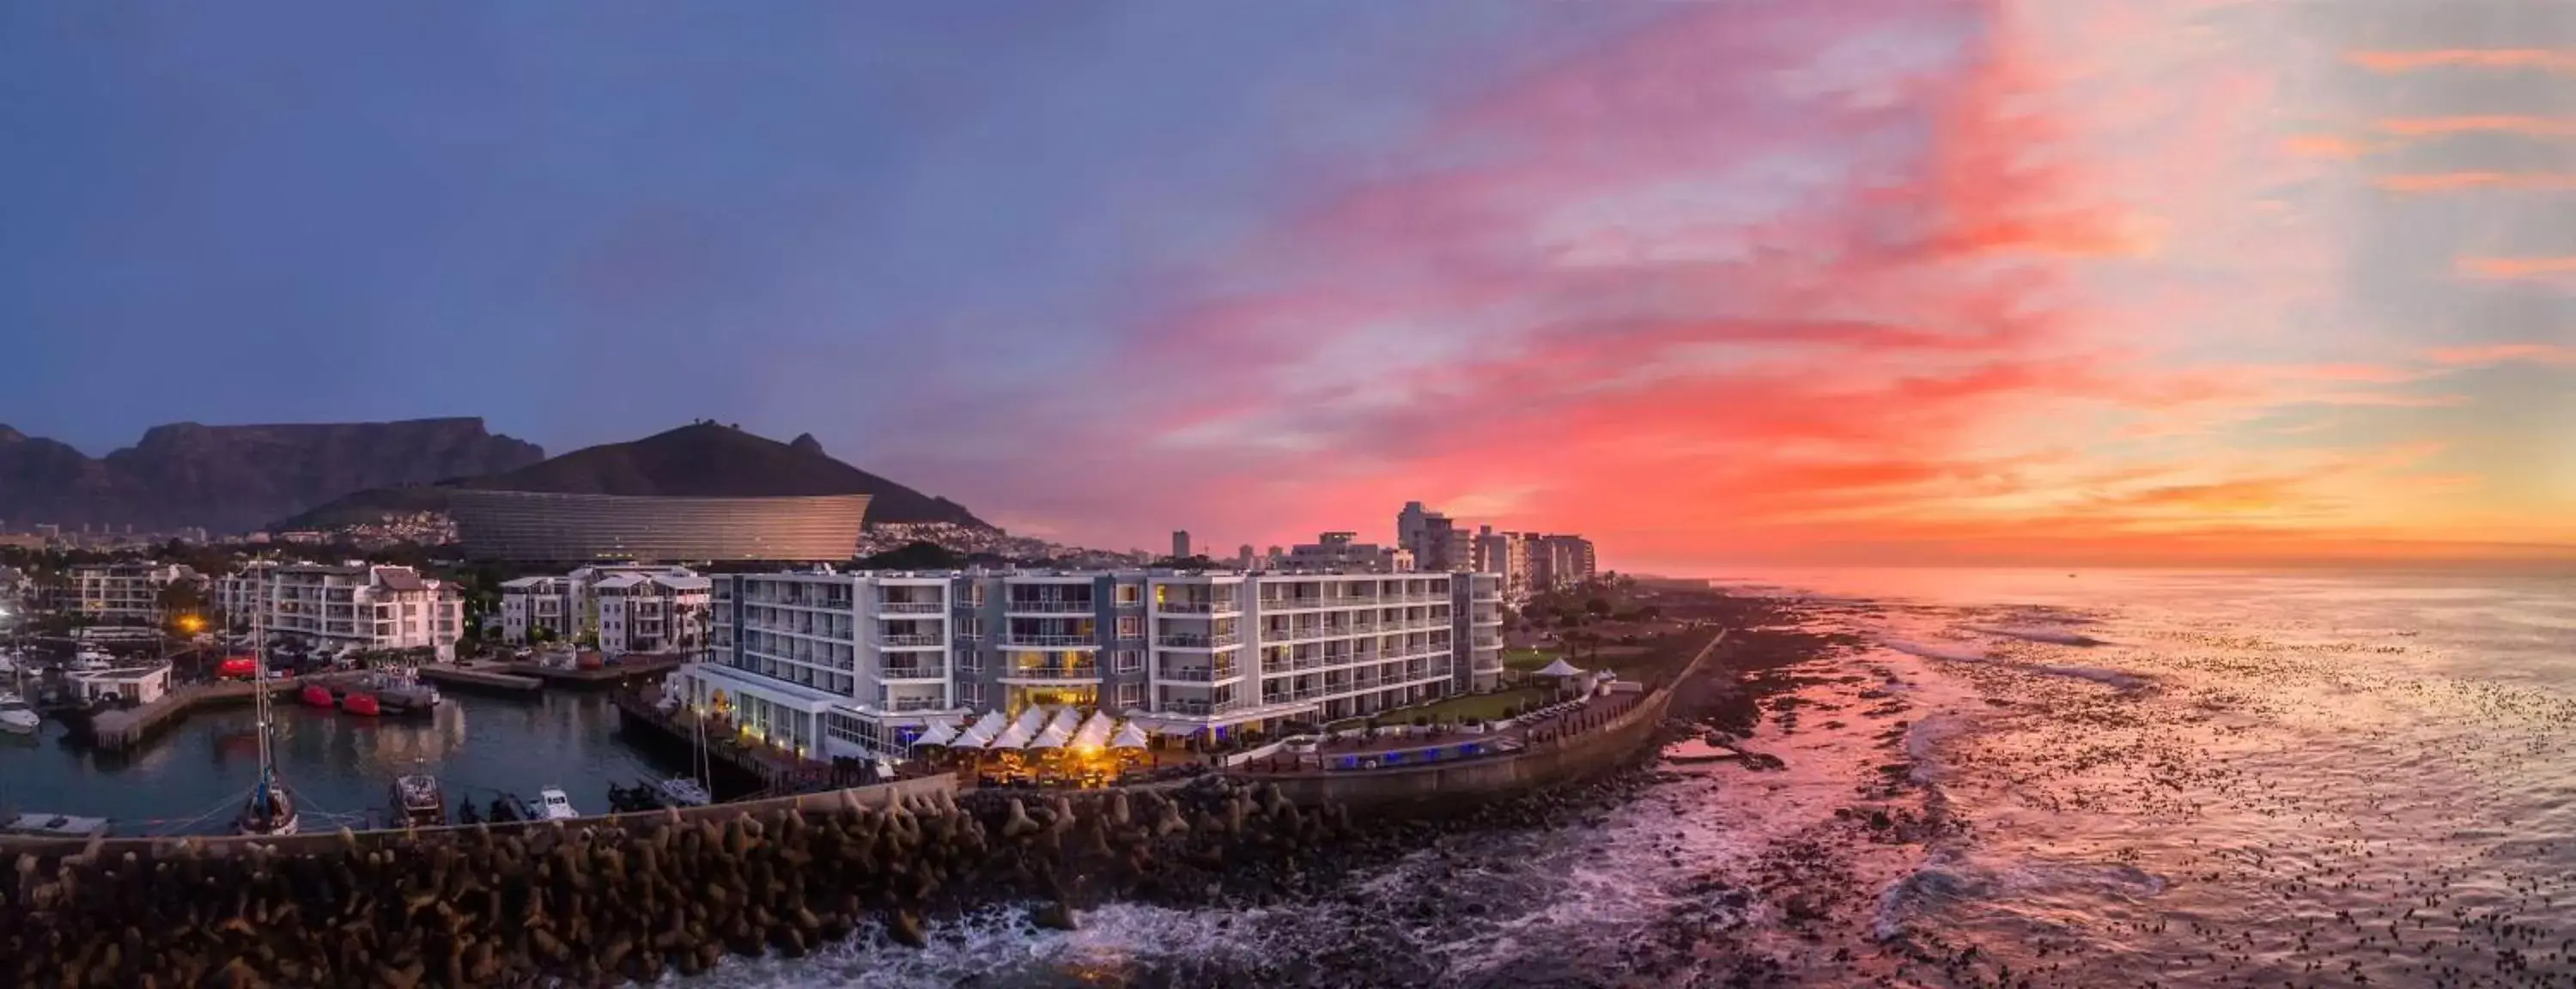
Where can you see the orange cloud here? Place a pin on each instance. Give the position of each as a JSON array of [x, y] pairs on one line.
[[2447, 126], [2484, 58], [2499, 353], [2456, 181], [2512, 269]]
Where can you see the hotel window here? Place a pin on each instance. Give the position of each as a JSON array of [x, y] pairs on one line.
[[1131, 660], [1131, 593], [1131, 695], [970, 694], [1131, 626]]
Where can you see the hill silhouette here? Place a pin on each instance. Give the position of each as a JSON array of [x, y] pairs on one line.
[[703, 460]]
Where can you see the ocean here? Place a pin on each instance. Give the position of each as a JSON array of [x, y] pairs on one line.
[[1997, 778]]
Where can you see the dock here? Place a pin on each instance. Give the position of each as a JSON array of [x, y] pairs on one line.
[[604, 676], [478, 679], [127, 727], [776, 771]]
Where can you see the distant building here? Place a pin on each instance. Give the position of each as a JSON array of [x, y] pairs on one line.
[[631, 608], [1181, 544], [1344, 551], [1433, 538], [124, 593], [1243, 558], [1560, 561]]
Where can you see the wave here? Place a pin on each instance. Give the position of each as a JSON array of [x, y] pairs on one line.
[[1929, 651], [2121, 679], [2029, 633]]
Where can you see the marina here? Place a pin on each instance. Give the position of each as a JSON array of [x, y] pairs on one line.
[[193, 775]]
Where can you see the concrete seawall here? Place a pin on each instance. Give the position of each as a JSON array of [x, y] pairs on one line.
[[122, 729], [1545, 764]]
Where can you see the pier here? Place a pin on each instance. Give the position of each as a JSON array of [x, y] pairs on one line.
[[469, 677], [604, 676], [127, 727], [777, 771]]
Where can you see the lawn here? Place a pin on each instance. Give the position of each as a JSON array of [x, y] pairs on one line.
[[1481, 707], [1528, 659]]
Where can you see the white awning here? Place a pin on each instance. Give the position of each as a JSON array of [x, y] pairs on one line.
[[1032, 719], [1052, 738], [1095, 733], [1560, 668], [940, 733], [1066, 720], [1011, 738], [1129, 736]]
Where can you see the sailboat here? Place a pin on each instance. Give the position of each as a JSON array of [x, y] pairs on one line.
[[684, 791], [271, 808], [16, 717]]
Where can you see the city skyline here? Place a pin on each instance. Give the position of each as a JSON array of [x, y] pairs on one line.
[[1877, 282]]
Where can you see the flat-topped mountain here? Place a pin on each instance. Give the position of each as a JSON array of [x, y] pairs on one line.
[[237, 478], [704, 460]]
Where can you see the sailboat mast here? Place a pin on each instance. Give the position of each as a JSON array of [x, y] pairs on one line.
[[259, 676]]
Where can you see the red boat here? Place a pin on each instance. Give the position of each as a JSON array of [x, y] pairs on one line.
[[317, 695], [237, 668], [361, 704]]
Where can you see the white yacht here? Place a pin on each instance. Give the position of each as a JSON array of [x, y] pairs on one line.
[[552, 805], [680, 791], [91, 660], [16, 717]]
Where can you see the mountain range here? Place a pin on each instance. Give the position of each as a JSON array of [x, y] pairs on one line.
[[230, 479], [237, 478], [703, 460]]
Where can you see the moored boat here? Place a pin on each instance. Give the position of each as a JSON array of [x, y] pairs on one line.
[[552, 805], [419, 802], [682, 792], [270, 811], [361, 704], [16, 717], [317, 695]]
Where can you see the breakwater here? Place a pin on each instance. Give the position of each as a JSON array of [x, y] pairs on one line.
[[122, 729], [627, 897]]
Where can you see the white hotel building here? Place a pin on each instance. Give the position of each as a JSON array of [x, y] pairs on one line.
[[831, 663], [631, 608], [348, 607]]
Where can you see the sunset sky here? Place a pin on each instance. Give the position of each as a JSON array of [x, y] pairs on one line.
[[2080, 282]]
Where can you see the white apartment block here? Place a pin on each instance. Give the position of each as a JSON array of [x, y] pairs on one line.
[[830, 663], [124, 593], [1344, 551], [631, 608], [364, 607]]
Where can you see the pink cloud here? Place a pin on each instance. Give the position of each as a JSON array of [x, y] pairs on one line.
[[2501, 353]]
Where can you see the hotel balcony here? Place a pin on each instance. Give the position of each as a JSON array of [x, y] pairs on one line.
[[1050, 606], [1219, 673], [1184, 606], [909, 704], [910, 607], [1034, 640], [1051, 673], [930, 672], [910, 641], [1191, 640], [1291, 603]]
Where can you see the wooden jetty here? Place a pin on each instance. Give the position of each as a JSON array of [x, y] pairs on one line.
[[124, 728], [478, 679]]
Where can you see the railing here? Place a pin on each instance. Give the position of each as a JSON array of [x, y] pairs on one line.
[[909, 704], [1203, 674], [1192, 707], [1192, 640], [911, 607], [1269, 603], [1049, 606], [913, 673], [1057, 671], [1202, 607], [1050, 641], [910, 640]]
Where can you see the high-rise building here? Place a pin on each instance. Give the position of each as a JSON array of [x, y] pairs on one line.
[[1181, 544], [829, 663], [1560, 561], [1433, 538], [1245, 557], [1344, 551]]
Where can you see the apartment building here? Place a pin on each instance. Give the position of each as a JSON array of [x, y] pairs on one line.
[[1477, 613], [364, 607], [245, 593], [1432, 537], [628, 608], [861, 663], [124, 593], [1559, 561], [1344, 551]]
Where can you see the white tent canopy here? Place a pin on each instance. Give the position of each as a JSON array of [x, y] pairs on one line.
[[981, 734], [1560, 668], [1015, 736], [1032, 719], [940, 733], [1095, 733], [1066, 720], [1129, 736], [1052, 738]]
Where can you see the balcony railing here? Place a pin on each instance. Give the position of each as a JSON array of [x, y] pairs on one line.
[[913, 673], [911, 607], [1188, 707], [1187, 607], [1038, 641], [1053, 671], [1192, 640], [909, 704], [1050, 606], [898, 641], [1203, 674]]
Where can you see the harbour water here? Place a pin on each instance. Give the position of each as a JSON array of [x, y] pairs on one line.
[[192, 777], [2010, 778]]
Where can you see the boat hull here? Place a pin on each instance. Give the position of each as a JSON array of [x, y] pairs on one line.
[[363, 705], [319, 696]]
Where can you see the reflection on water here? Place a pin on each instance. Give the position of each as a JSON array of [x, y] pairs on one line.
[[340, 764]]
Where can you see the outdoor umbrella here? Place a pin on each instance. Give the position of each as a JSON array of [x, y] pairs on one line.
[[1012, 737], [940, 733], [1052, 738], [1129, 736]]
